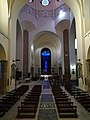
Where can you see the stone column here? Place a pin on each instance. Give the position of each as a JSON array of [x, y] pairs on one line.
[[25, 53], [66, 76]]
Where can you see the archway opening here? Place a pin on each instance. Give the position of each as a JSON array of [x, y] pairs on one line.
[[45, 61], [3, 70], [88, 69], [2, 53]]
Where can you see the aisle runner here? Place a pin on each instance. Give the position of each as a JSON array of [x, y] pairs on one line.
[[47, 110]]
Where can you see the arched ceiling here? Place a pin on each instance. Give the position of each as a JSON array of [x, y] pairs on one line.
[[64, 24], [27, 25], [73, 4], [53, 5], [47, 39], [88, 54], [17, 6]]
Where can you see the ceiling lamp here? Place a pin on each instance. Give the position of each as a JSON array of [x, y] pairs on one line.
[[31, 0], [59, 0]]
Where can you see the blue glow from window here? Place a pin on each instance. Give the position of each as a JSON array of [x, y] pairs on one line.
[[46, 53], [46, 66]]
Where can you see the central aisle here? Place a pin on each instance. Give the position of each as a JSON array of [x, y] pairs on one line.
[[47, 109]]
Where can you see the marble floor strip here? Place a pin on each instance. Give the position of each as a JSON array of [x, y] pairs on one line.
[[47, 109]]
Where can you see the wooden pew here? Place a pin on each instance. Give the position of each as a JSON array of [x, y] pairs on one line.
[[31, 99], [65, 107], [26, 112], [66, 104], [29, 105], [62, 99], [68, 112], [29, 102], [11, 98]]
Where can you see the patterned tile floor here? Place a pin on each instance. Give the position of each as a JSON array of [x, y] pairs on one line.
[[47, 105], [47, 114]]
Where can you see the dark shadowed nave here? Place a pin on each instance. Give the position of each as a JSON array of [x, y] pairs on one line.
[[38, 38], [47, 106]]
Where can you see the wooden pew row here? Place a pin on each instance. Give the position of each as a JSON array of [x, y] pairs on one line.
[[7, 101], [83, 98], [65, 107], [57, 95], [66, 110], [78, 93], [26, 112], [69, 111], [85, 102], [28, 107], [56, 88]]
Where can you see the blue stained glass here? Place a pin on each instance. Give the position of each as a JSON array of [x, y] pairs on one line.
[[46, 53], [46, 66], [46, 59]]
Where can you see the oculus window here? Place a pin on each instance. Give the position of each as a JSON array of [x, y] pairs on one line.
[[45, 2]]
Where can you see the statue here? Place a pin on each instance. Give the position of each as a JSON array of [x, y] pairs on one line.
[[13, 71]]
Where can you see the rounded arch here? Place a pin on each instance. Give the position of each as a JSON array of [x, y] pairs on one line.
[[54, 38], [48, 39], [88, 53], [29, 26], [73, 23], [18, 28], [64, 24], [45, 51], [2, 53]]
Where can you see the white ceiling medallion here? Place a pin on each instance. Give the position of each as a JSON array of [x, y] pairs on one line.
[[45, 2]]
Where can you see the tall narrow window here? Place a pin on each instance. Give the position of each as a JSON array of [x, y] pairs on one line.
[[46, 61]]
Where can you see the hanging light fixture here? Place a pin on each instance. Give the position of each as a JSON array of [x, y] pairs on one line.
[[59, 0], [31, 0]]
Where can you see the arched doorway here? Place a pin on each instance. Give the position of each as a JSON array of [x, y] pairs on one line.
[[3, 70], [88, 69], [46, 61], [2, 53]]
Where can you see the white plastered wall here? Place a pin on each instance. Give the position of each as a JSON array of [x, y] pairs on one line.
[[86, 35], [4, 16]]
